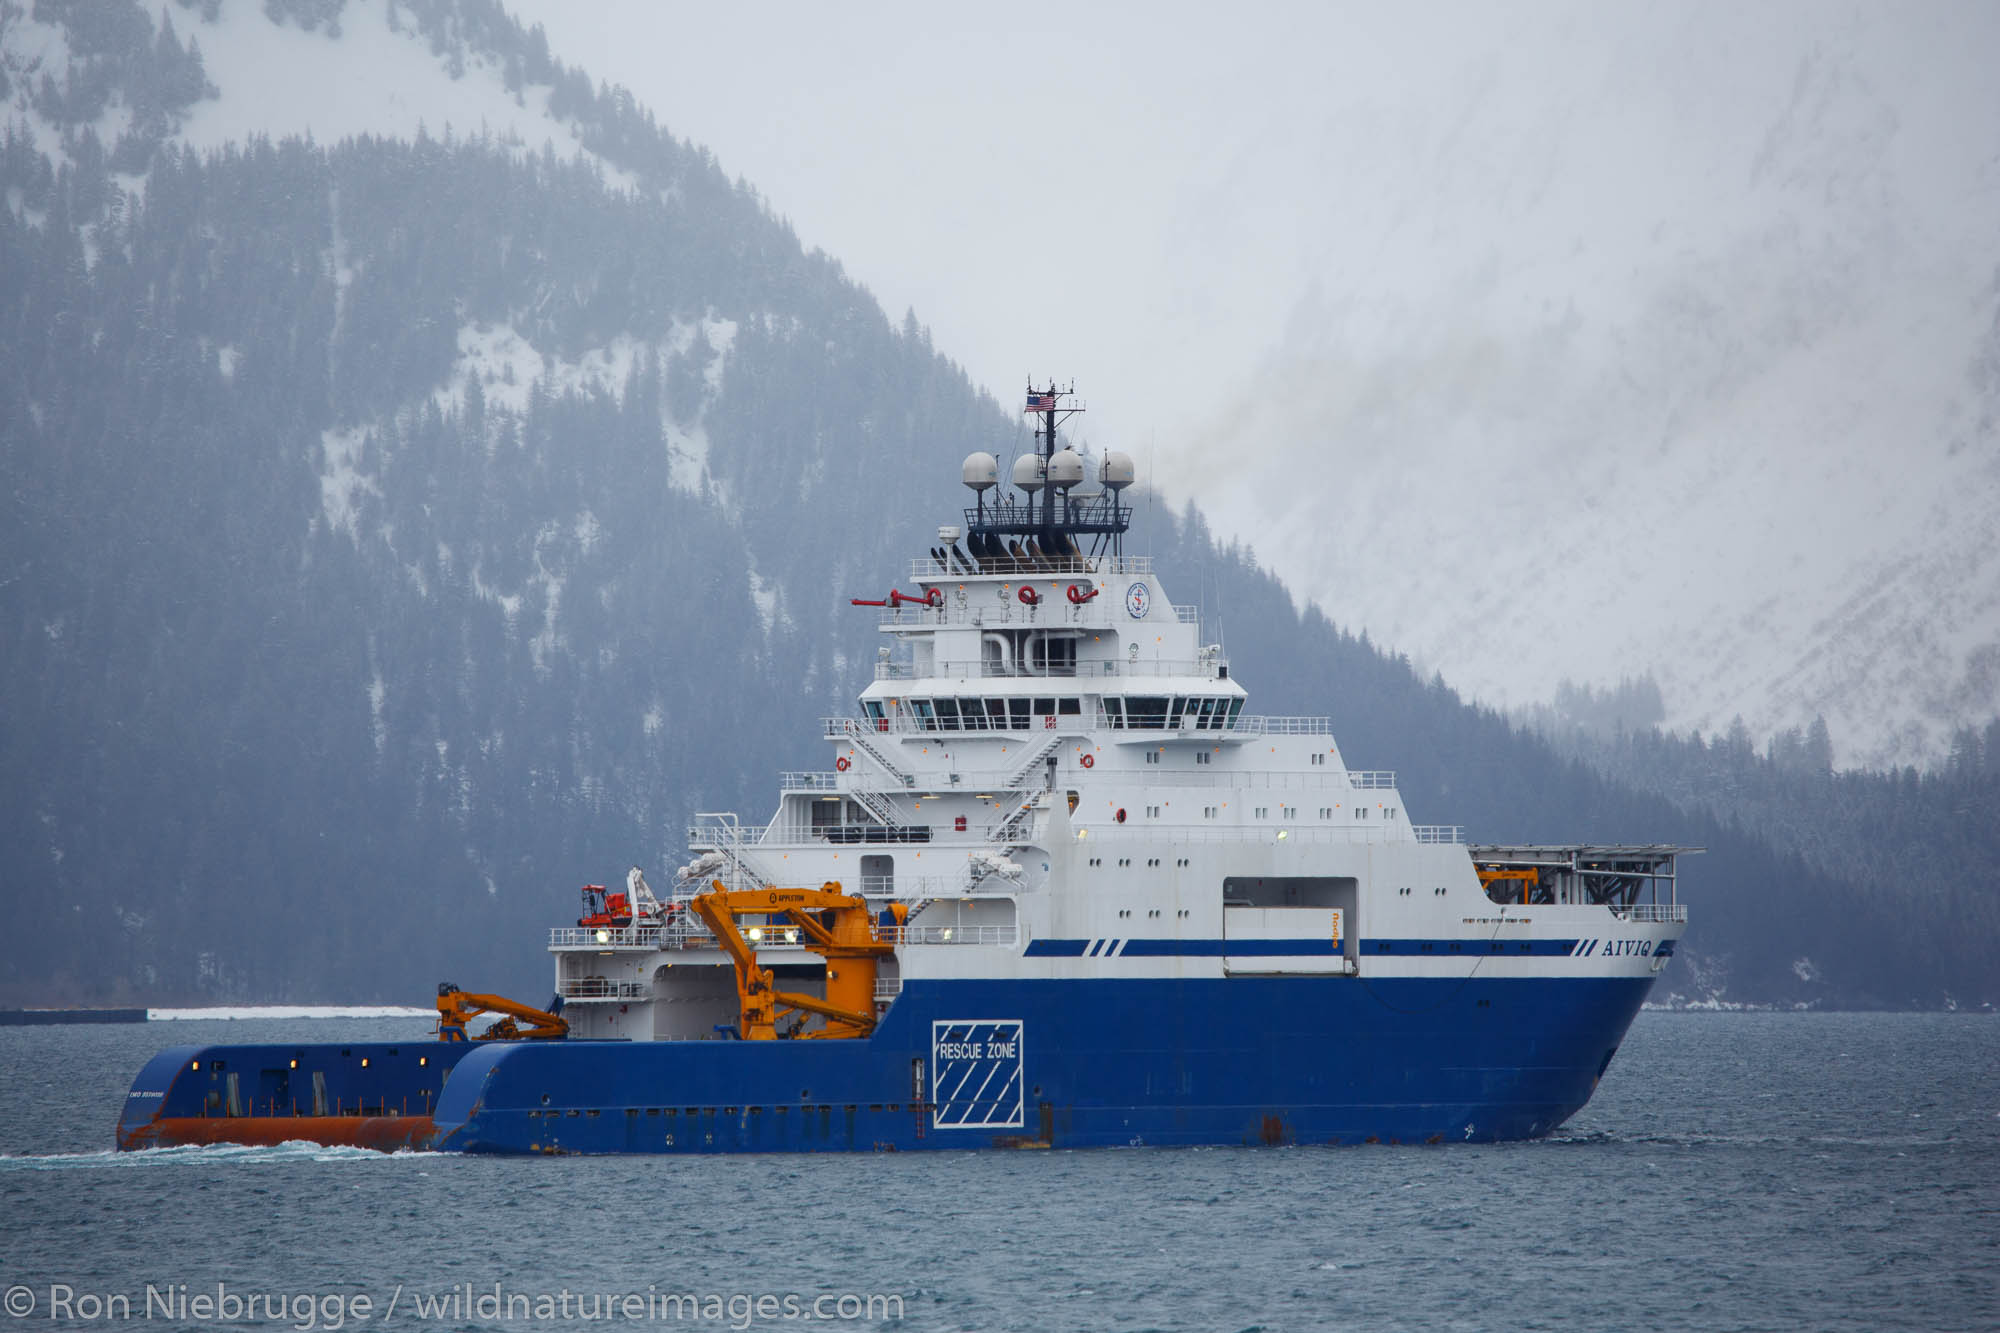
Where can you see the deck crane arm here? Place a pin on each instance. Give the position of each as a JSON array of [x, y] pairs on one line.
[[456, 1007], [835, 925]]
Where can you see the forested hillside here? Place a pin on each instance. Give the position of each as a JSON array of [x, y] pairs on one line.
[[399, 533]]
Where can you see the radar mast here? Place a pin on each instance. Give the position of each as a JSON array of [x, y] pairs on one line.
[[1065, 527]]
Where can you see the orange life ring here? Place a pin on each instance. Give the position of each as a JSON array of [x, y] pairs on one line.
[[1088, 760], [841, 763]]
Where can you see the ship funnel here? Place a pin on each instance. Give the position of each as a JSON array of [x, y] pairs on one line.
[[1116, 471], [1065, 469], [981, 470], [1028, 473]]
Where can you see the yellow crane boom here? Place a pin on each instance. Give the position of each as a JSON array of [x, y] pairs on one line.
[[838, 926], [456, 1007]]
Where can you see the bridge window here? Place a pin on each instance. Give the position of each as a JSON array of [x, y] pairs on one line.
[[1114, 711], [1147, 712]]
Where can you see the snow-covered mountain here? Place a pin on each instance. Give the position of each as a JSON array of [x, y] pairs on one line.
[[396, 528], [294, 67], [1658, 342], [1662, 341]]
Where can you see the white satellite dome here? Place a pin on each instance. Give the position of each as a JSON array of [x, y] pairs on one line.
[[1066, 468], [981, 470], [1028, 472], [1116, 471]]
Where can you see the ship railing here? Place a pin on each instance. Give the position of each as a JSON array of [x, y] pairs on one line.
[[775, 932], [1053, 611], [605, 937], [603, 988], [1002, 936], [941, 834], [891, 887], [1372, 779], [1258, 725], [1312, 779], [1188, 615], [1109, 565], [1446, 833], [1664, 913], [1277, 832], [887, 989], [986, 668], [988, 781], [719, 830], [1071, 724]]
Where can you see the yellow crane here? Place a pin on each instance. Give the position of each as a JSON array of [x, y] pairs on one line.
[[838, 926], [1528, 877], [456, 1007]]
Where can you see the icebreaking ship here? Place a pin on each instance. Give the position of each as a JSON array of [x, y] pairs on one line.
[[1057, 887]]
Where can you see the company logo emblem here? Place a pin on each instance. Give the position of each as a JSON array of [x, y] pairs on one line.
[[1138, 599]]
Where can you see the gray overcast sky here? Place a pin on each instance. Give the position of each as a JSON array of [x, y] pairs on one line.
[[1106, 193], [1656, 327]]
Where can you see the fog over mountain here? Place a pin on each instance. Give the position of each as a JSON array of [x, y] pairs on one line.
[[1546, 342], [429, 480]]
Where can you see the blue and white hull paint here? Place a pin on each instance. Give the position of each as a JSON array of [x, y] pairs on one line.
[[1105, 906], [1079, 1064]]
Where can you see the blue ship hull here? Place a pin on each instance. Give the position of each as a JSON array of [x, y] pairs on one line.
[[1077, 1063]]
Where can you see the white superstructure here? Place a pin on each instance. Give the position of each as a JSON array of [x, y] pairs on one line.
[[1055, 775]]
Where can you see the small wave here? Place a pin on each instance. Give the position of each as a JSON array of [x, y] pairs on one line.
[[1705, 1139], [206, 1154]]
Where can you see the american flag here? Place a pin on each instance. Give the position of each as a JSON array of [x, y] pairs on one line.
[[1041, 402]]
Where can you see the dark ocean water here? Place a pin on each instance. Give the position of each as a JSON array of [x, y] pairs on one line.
[[1735, 1171]]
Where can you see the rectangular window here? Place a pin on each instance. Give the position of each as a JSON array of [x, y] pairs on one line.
[[1235, 707], [1045, 707], [1146, 712], [972, 712], [926, 719], [1207, 718], [1018, 714], [1114, 712], [947, 711], [1069, 707]]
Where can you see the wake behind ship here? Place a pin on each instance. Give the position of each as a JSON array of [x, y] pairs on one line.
[[1057, 888]]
